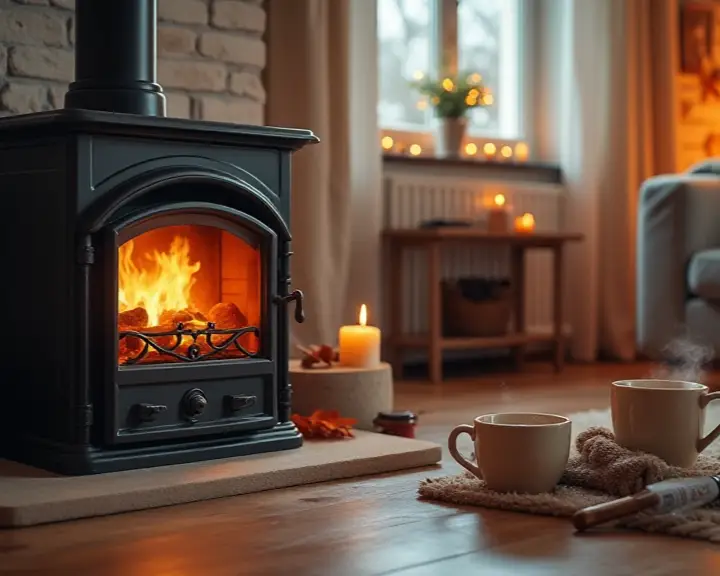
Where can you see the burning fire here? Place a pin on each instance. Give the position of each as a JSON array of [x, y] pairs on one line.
[[161, 287]]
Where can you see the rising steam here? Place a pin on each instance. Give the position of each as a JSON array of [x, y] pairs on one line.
[[687, 361]]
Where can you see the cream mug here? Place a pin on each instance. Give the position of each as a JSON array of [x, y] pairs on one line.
[[516, 452], [662, 417]]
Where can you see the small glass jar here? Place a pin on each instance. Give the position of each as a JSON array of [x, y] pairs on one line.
[[396, 423]]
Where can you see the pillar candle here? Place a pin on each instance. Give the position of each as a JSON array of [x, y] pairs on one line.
[[497, 218], [360, 344]]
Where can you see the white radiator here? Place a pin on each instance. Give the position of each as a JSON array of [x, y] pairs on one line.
[[411, 199]]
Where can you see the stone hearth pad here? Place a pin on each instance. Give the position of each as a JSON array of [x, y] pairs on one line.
[[29, 496]]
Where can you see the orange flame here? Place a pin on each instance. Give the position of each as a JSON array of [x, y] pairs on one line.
[[164, 285], [362, 317]]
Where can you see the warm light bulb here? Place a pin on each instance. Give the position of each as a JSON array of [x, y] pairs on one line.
[[506, 152], [489, 149], [499, 200], [362, 318], [415, 150], [387, 143], [528, 220], [448, 85], [471, 148], [522, 151]]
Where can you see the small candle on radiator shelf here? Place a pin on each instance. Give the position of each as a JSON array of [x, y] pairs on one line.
[[497, 218], [360, 344], [525, 224]]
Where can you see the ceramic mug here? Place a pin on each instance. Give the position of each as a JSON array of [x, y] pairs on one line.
[[516, 452], [662, 417]]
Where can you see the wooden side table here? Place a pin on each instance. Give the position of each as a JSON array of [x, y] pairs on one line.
[[432, 241]]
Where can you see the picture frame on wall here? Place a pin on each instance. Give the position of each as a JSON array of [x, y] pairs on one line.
[[697, 35]]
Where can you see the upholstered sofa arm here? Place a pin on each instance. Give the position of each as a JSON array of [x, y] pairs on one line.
[[678, 215]]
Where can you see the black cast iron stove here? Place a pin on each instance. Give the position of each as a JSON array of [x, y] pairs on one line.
[[146, 263]]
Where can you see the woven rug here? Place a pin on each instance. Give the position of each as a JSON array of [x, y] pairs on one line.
[[575, 492]]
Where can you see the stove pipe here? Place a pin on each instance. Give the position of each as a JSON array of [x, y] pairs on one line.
[[116, 58]]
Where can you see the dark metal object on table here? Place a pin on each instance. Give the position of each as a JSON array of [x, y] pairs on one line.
[[396, 423]]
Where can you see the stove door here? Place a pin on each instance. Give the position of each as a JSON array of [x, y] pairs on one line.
[[195, 331]]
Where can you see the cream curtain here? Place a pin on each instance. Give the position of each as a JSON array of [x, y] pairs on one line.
[[616, 91], [307, 80]]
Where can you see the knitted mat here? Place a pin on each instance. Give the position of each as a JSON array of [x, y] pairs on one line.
[[599, 470]]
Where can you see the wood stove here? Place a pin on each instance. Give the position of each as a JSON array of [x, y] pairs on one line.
[[147, 259]]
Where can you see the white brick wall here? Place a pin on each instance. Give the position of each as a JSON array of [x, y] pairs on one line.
[[211, 55]]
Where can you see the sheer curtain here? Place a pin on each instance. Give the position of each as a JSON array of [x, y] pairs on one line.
[[321, 75], [616, 61]]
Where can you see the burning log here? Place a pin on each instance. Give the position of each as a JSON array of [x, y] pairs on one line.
[[226, 315], [184, 316], [136, 317]]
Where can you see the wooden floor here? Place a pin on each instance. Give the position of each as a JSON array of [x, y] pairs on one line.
[[370, 526]]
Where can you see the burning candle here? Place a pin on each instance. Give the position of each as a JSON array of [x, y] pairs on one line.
[[498, 215], [360, 344], [525, 224]]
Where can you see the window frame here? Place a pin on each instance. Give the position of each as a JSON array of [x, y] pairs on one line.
[[447, 56]]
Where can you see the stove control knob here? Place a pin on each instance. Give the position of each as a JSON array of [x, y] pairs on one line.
[[194, 403]]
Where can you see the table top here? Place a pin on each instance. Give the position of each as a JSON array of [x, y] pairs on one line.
[[478, 235]]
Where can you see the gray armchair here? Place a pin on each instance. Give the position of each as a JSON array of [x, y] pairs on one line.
[[678, 260]]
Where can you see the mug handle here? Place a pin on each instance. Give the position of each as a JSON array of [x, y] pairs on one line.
[[705, 442], [459, 458]]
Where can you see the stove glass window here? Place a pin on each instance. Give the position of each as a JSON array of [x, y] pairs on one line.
[[188, 293]]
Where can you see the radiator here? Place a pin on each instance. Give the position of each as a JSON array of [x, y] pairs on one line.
[[409, 200]]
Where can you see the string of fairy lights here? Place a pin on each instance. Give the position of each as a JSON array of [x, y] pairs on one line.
[[490, 151]]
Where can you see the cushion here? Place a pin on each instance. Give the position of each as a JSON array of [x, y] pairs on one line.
[[704, 274], [711, 166]]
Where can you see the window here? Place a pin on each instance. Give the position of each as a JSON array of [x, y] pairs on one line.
[[443, 37]]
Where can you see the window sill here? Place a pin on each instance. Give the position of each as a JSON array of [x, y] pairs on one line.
[[491, 169]]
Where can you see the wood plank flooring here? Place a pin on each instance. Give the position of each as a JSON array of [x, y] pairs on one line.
[[371, 526]]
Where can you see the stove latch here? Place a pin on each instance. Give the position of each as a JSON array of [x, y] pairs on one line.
[[236, 403], [148, 412], [297, 296]]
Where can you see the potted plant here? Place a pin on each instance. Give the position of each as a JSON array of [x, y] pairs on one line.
[[452, 98]]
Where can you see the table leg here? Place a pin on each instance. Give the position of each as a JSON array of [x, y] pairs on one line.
[[434, 313], [559, 337], [517, 258], [394, 288]]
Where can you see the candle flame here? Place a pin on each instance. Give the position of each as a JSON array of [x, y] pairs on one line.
[[499, 200], [363, 315]]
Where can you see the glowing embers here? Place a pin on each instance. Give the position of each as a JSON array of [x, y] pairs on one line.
[[187, 294]]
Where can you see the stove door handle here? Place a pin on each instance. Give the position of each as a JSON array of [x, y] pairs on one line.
[[297, 296], [148, 412]]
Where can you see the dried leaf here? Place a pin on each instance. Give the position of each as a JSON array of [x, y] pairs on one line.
[[324, 424]]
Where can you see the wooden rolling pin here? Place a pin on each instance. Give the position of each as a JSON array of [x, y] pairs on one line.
[[662, 497]]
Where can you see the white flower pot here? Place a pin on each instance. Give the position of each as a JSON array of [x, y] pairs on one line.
[[452, 134]]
